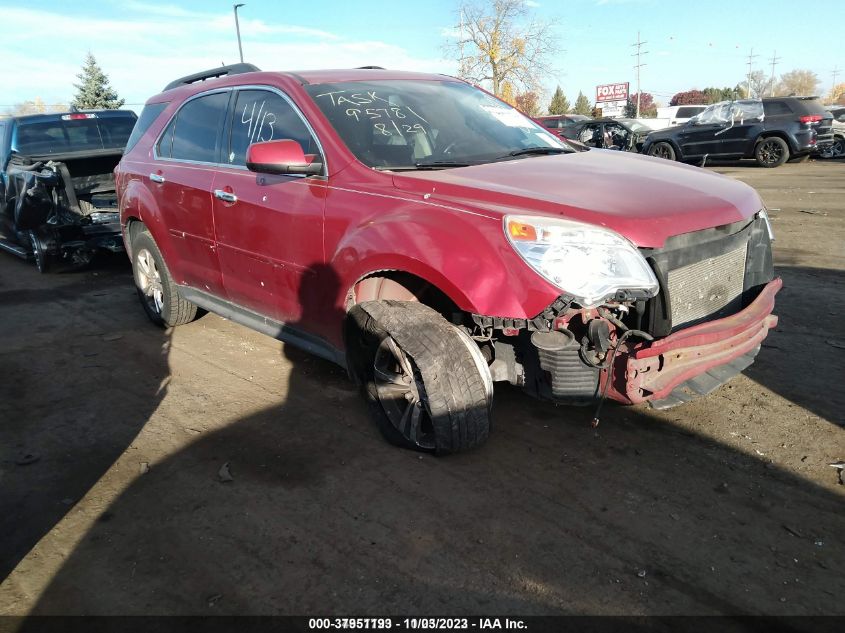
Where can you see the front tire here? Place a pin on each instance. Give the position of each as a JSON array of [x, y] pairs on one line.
[[771, 152], [662, 150], [156, 289], [426, 383]]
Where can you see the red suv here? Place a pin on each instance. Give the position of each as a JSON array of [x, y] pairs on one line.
[[433, 240]]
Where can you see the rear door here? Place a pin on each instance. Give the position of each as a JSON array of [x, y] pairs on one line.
[[269, 227], [186, 156]]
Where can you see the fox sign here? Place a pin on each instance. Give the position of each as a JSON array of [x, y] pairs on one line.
[[612, 92]]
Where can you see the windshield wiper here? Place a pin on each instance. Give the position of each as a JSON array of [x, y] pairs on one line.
[[440, 164], [535, 150]]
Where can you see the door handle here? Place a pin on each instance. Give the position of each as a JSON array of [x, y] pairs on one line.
[[157, 178], [225, 196]]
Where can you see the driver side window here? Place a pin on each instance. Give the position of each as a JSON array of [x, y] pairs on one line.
[[261, 115]]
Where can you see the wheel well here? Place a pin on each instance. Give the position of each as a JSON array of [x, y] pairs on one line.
[[132, 225], [401, 286], [779, 135]]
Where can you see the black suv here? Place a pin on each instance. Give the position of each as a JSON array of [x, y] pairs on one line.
[[773, 131], [57, 195]]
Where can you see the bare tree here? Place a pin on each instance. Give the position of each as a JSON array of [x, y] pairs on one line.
[[501, 44], [761, 85], [802, 83]]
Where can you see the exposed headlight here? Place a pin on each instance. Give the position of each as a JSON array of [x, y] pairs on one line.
[[762, 213], [588, 263]]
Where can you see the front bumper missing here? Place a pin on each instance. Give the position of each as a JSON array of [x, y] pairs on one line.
[[697, 359]]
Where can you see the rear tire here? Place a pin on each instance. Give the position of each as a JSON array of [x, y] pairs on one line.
[[771, 152], [662, 150], [156, 289], [427, 385], [39, 253]]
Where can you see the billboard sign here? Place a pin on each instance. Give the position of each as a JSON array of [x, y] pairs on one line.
[[612, 92]]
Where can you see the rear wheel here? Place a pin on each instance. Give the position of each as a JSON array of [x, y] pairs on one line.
[[771, 152], [156, 289], [662, 150], [426, 383], [39, 252], [836, 149]]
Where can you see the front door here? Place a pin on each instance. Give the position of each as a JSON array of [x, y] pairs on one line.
[[269, 227]]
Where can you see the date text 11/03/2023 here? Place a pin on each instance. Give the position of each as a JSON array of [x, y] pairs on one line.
[[413, 624]]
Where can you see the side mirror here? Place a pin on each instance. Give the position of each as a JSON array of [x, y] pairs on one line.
[[280, 157]]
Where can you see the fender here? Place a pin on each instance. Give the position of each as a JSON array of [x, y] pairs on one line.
[[480, 272], [137, 202]]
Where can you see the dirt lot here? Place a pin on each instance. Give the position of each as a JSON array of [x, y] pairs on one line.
[[725, 505]]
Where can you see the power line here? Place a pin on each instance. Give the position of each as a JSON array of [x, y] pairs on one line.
[[775, 60], [751, 58], [639, 65]]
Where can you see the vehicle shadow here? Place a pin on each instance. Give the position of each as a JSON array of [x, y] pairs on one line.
[[801, 359], [639, 516], [66, 363]]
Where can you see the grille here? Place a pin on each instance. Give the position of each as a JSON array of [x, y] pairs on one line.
[[705, 288]]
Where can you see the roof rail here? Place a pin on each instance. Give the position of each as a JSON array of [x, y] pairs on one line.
[[222, 71], [370, 67]]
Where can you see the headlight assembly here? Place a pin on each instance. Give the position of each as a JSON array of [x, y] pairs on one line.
[[589, 263]]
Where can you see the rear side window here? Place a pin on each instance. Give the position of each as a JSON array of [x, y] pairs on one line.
[[197, 127], [687, 112], [261, 115], [773, 108], [148, 115], [552, 124]]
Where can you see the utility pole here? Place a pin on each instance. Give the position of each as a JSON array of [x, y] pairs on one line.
[[775, 60], [751, 58], [638, 54], [238, 31]]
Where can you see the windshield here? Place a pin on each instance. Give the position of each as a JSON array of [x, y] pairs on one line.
[[64, 135], [413, 124]]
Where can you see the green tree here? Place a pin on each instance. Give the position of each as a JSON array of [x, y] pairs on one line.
[[559, 103], [93, 91], [715, 95], [582, 105]]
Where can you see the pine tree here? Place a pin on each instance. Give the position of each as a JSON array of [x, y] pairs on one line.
[[93, 91], [559, 103], [582, 105]]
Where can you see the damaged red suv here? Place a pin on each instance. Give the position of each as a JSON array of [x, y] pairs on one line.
[[433, 240]]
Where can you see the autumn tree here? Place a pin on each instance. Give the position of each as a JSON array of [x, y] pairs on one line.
[[802, 83], [559, 103], [837, 92], [582, 105], [760, 86], [501, 43], [689, 97], [648, 109], [93, 92], [529, 103], [35, 106]]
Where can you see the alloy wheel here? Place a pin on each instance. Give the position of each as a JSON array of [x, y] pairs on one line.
[[149, 280], [401, 394], [771, 152]]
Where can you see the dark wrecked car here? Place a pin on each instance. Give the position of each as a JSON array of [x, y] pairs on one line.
[[433, 240], [57, 193], [620, 134]]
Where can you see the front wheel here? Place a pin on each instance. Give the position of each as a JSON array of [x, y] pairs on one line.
[[156, 289], [39, 252], [426, 382], [771, 152], [662, 150]]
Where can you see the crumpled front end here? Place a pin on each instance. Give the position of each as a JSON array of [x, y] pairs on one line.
[[706, 324]]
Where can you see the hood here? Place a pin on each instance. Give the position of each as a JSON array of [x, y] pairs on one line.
[[645, 199]]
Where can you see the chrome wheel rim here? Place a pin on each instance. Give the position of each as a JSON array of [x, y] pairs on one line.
[[401, 394], [149, 280], [770, 152], [837, 150]]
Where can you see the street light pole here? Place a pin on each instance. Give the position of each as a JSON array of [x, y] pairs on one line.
[[238, 31]]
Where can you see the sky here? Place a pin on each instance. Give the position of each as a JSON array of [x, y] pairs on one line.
[[144, 44]]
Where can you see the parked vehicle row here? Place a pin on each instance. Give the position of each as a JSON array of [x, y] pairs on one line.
[[433, 240]]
